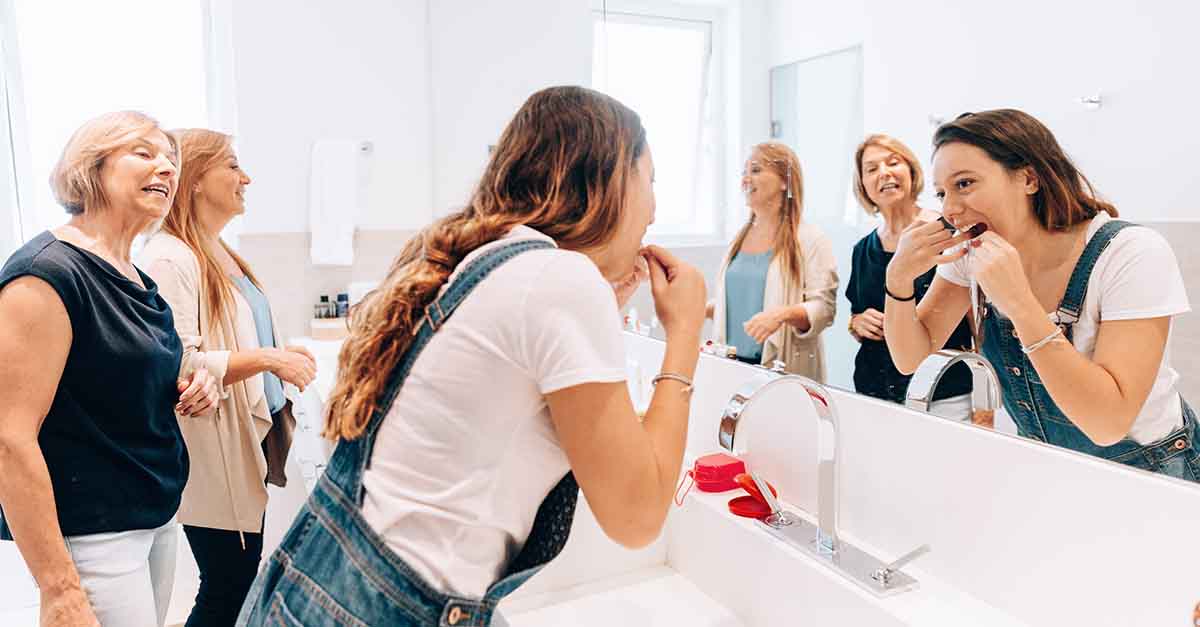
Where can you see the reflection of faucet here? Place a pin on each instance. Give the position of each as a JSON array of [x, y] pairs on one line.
[[848, 560], [985, 385], [827, 443]]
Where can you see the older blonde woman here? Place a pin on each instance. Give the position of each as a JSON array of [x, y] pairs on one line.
[[92, 462], [887, 182], [777, 288], [218, 300]]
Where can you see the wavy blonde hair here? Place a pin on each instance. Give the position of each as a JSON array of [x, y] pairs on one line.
[[561, 167], [75, 180], [783, 162], [203, 150]]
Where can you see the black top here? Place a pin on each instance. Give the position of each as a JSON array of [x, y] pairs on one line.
[[113, 447], [874, 373]]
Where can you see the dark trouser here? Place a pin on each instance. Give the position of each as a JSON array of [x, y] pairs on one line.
[[226, 573]]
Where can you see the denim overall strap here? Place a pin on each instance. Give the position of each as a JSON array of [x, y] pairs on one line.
[[1035, 413], [403, 597], [1071, 305], [347, 469]]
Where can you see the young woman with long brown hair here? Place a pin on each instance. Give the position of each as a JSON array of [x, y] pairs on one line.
[[488, 364], [220, 306], [776, 291], [1076, 305]]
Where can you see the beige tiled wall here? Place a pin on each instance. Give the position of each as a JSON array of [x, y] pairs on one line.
[[1185, 340], [293, 284]]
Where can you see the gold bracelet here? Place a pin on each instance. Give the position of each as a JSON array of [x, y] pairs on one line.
[[687, 383]]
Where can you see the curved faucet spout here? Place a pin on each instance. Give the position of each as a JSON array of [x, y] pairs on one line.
[[827, 442], [985, 385]]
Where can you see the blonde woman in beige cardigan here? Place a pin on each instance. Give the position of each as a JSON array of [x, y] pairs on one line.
[[217, 300], [791, 260]]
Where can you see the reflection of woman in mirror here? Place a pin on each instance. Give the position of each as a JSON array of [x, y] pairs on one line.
[[887, 182], [1079, 304], [777, 288]]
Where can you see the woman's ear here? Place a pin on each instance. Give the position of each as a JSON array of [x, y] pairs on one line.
[[1030, 180]]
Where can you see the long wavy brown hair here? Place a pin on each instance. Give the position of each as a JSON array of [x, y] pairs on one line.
[[561, 167], [203, 150], [784, 162]]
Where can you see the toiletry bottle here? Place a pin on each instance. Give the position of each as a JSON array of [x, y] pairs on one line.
[[343, 304], [325, 306]]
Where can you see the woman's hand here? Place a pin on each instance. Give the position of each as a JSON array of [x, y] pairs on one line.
[[66, 609], [626, 287], [198, 396], [293, 364], [921, 247], [996, 266], [867, 325], [679, 292], [764, 323]]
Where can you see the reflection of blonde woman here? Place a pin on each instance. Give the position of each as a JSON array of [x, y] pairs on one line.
[[776, 290]]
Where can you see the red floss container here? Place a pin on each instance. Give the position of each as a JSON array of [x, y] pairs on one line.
[[716, 472]]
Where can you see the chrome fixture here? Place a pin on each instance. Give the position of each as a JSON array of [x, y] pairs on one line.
[[985, 385], [822, 540]]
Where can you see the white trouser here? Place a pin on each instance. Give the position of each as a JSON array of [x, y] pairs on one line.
[[127, 575]]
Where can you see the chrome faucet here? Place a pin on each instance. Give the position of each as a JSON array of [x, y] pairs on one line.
[[985, 385], [822, 541], [827, 442]]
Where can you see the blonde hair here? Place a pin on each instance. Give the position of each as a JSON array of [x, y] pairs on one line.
[[783, 162], [75, 180], [887, 142], [204, 150], [560, 166]]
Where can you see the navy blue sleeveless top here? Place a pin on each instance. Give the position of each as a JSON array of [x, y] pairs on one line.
[[112, 444]]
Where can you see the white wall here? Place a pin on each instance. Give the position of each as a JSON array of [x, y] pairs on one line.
[[488, 57], [313, 70], [934, 57]]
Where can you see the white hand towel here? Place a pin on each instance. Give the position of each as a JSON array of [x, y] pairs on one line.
[[335, 198]]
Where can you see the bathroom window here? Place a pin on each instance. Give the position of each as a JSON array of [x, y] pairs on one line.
[[663, 67], [74, 59]]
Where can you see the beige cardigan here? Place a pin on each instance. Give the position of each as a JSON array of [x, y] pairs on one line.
[[234, 450], [802, 353]]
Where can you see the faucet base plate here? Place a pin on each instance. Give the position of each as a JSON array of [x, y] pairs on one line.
[[849, 561]]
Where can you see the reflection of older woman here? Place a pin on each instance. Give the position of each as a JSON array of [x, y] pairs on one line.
[[90, 446], [777, 288], [888, 179]]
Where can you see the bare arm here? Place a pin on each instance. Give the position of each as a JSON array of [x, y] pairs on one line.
[[626, 469], [293, 364], [913, 332], [35, 322]]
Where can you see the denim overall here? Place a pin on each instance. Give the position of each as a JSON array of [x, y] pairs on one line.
[[333, 569], [1036, 415]]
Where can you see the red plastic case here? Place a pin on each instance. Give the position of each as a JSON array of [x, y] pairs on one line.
[[716, 472]]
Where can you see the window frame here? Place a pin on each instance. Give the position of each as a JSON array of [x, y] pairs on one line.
[[658, 13]]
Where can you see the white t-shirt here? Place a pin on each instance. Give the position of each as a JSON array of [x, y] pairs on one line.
[[1137, 276], [467, 452]]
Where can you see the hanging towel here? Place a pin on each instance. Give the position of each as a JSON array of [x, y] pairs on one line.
[[335, 198]]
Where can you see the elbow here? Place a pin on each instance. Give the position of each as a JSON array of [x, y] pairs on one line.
[[634, 528], [635, 536], [1115, 429]]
